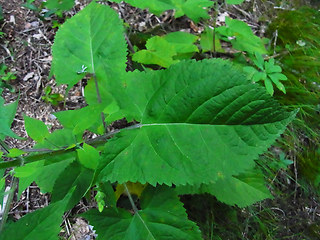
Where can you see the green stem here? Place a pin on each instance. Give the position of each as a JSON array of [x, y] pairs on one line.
[[99, 101], [12, 188], [98, 141], [136, 211]]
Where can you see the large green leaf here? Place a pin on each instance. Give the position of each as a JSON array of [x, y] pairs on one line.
[[198, 121], [43, 224], [194, 9], [7, 113], [242, 190], [90, 42], [75, 179], [161, 217]]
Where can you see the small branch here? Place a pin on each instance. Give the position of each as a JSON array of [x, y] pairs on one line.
[[98, 141]]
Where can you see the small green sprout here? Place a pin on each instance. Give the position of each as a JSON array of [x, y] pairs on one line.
[[267, 71], [52, 98], [6, 77]]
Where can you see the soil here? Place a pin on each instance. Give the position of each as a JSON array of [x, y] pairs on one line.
[[26, 50]]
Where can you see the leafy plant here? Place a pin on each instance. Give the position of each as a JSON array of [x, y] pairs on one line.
[[240, 35], [50, 7], [209, 41], [268, 72], [6, 77], [194, 9], [59, 6], [197, 125], [52, 98], [167, 50]]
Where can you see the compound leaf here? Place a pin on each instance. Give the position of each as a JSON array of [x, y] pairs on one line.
[[209, 103], [161, 217], [90, 42]]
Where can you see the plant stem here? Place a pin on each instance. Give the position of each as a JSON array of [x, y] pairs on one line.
[[98, 141], [134, 207], [12, 188], [99, 101], [136, 211]]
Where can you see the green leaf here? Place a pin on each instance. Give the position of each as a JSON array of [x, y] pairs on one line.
[[88, 156], [44, 172], [183, 42], [206, 41], [75, 120], [194, 9], [259, 61], [234, 1], [259, 76], [90, 42], [73, 176], [14, 152], [58, 139], [7, 113], [165, 50], [59, 6], [231, 120], [243, 37], [161, 217], [279, 85], [242, 190], [36, 129], [105, 195], [40, 224], [159, 51], [269, 87]]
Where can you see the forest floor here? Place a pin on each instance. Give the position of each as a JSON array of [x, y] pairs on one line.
[[25, 48]]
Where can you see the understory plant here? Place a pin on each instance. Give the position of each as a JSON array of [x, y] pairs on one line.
[[195, 127]]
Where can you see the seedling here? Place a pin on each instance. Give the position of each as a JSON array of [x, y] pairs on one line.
[[52, 98], [268, 72], [5, 77]]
